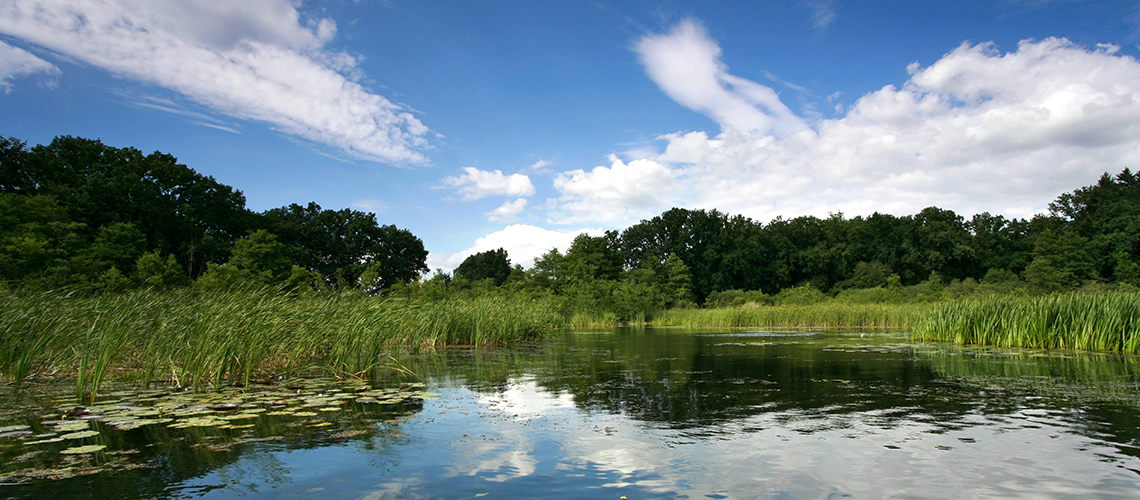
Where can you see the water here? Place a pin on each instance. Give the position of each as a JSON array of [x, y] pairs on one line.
[[650, 413]]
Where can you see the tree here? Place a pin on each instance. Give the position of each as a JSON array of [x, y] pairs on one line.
[[677, 283], [1107, 214], [154, 271], [178, 210], [37, 241], [593, 257], [492, 264], [261, 254], [341, 245], [1060, 262]]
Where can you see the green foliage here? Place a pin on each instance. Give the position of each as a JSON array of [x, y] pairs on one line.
[[154, 271], [261, 254], [677, 283], [800, 296], [37, 240], [341, 245], [492, 264], [180, 211]]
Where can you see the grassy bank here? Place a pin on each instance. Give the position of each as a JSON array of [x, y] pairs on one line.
[[194, 338], [819, 314], [1081, 321], [1097, 322]]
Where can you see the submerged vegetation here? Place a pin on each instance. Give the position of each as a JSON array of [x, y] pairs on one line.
[[192, 338]]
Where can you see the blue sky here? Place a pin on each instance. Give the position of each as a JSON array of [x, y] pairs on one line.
[[520, 124]]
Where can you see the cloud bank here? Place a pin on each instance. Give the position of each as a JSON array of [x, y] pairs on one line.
[[978, 130], [257, 60]]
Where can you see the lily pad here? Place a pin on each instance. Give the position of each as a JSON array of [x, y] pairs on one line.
[[80, 450], [230, 426], [45, 441], [78, 425], [10, 428], [80, 435]]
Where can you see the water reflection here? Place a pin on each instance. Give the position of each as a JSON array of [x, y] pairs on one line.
[[712, 414]]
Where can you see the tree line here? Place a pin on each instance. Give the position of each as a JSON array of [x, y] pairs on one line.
[[77, 213], [1089, 237]]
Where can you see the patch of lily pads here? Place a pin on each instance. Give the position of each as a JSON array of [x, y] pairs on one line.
[[75, 435]]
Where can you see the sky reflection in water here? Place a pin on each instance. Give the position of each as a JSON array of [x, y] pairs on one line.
[[656, 414]]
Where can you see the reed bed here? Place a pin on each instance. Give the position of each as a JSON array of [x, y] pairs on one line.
[[829, 314], [1095, 322], [193, 338]]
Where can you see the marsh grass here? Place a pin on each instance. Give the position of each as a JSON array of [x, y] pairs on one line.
[[829, 314], [195, 339], [1096, 322]]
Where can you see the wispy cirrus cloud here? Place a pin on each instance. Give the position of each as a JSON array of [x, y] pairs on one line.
[[16, 62], [823, 13], [258, 60], [685, 63]]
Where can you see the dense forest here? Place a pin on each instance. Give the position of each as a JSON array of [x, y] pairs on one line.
[[82, 215], [1089, 239], [79, 214]]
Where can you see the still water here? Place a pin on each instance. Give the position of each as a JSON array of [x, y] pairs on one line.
[[627, 413]]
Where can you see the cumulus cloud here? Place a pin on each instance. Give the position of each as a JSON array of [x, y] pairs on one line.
[[614, 193], [258, 60], [978, 130], [16, 62], [524, 243], [475, 184], [507, 211], [685, 63]]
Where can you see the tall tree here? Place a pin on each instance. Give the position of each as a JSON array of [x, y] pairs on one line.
[[179, 211], [492, 264], [341, 244]]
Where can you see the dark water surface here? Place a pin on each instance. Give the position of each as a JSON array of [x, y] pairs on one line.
[[633, 413]]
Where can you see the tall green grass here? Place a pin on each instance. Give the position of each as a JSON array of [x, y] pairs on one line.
[[194, 338], [1098, 322], [819, 314]]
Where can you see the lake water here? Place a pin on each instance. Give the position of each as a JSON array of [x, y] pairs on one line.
[[627, 413]]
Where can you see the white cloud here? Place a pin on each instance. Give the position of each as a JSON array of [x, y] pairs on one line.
[[523, 243], [257, 60], [822, 13], [16, 62], [475, 184], [685, 63], [539, 166], [976, 131], [616, 193], [369, 205], [507, 211]]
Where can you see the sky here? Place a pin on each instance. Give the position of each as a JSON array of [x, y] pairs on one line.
[[480, 125]]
